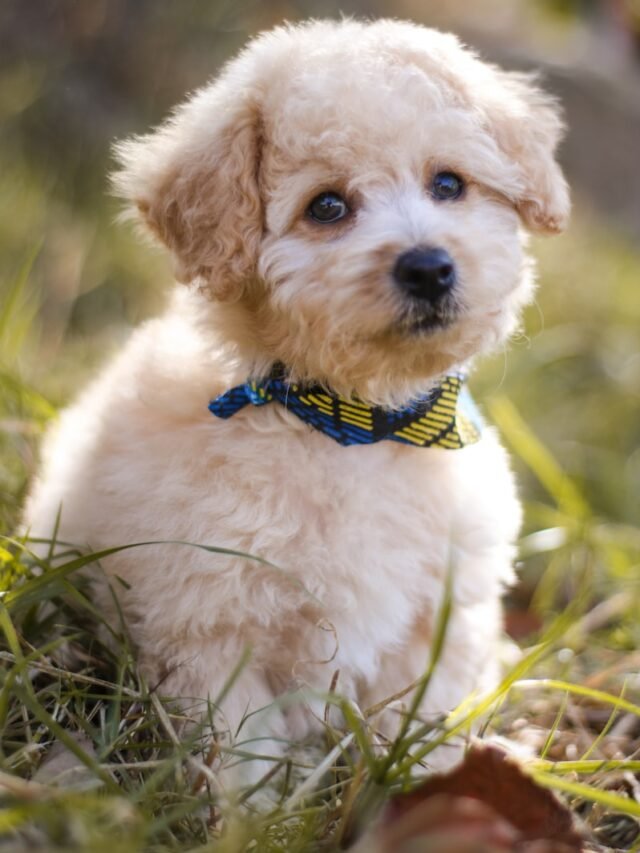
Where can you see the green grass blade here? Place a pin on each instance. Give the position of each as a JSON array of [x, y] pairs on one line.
[[579, 690], [588, 766], [587, 792], [31, 592], [538, 458]]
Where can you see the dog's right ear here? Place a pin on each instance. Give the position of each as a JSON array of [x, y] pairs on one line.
[[194, 183]]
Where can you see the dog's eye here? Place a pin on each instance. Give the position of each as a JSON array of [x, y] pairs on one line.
[[447, 185], [328, 207]]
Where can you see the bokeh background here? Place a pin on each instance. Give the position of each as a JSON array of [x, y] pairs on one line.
[[74, 76]]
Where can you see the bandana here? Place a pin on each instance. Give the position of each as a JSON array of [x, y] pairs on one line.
[[445, 417]]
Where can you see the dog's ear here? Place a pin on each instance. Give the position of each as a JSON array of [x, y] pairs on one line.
[[194, 183], [527, 124]]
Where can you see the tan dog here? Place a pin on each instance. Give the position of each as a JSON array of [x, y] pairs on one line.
[[345, 200]]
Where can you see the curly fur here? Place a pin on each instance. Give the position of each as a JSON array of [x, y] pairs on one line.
[[364, 535]]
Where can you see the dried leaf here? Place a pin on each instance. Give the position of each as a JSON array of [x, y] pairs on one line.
[[486, 804], [520, 623], [443, 824]]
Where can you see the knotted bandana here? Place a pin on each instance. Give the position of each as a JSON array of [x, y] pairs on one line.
[[445, 417]]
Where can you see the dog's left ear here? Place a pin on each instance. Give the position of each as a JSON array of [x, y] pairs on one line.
[[527, 124], [194, 183]]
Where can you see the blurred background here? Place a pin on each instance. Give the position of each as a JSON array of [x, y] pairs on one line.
[[73, 282]]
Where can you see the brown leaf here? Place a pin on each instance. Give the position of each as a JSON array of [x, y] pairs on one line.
[[443, 824], [521, 623], [486, 804]]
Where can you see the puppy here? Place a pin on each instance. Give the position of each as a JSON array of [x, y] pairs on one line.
[[344, 208]]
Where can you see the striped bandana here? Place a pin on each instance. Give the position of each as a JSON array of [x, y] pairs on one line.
[[445, 417]]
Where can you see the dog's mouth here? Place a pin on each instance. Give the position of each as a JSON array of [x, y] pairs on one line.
[[420, 319], [428, 324]]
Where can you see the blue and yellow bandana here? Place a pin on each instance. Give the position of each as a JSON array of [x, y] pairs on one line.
[[445, 417]]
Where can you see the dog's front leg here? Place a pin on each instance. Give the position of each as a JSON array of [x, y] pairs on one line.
[[467, 664], [224, 697]]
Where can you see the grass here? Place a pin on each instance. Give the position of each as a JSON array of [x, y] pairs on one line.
[[135, 783], [571, 695]]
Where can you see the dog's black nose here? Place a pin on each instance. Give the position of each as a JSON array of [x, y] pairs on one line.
[[425, 273]]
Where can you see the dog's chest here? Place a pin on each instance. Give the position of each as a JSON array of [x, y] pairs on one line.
[[372, 523]]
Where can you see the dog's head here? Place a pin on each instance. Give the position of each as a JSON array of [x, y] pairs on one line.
[[356, 192]]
